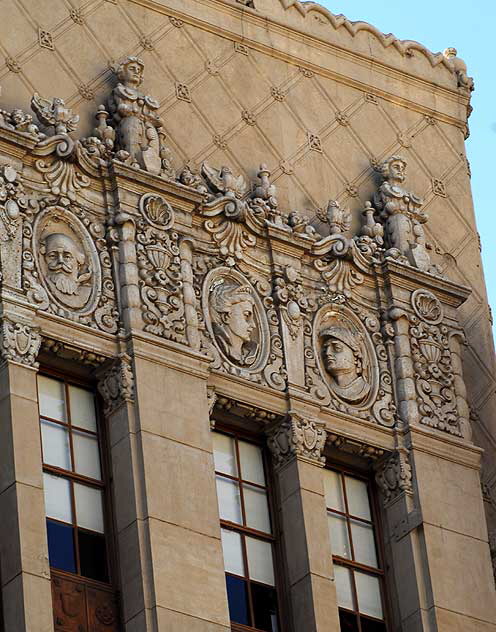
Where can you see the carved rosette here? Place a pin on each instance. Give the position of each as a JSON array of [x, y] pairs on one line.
[[297, 437], [117, 385], [66, 266], [346, 363], [19, 342], [394, 475], [159, 265]]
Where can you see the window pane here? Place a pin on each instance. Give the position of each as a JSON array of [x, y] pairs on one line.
[[89, 508], [233, 554], [224, 454], [93, 556], [363, 543], [369, 595], [82, 408], [51, 398], [57, 497], [260, 565], [264, 607], [348, 622], [229, 502], [86, 455], [257, 508], [55, 442], [333, 489], [342, 577], [358, 498], [251, 463], [237, 598], [61, 546], [338, 531]]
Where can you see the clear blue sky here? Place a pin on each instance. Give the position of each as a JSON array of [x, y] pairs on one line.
[[469, 27]]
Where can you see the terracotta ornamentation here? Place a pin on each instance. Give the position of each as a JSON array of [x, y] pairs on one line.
[[116, 385], [140, 138], [297, 437], [394, 475], [19, 342]]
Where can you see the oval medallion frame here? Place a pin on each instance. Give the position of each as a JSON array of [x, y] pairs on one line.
[[261, 338], [56, 220], [332, 316]]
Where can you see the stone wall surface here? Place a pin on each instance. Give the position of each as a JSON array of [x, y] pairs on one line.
[[282, 125]]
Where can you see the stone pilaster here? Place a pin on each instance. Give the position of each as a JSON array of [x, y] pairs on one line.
[[296, 445], [24, 566], [168, 530]]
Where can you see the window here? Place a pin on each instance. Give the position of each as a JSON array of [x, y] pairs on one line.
[[356, 557], [73, 481], [247, 540]]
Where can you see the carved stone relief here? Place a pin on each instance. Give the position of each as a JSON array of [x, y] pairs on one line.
[[66, 266], [236, 319], [345, 356], [19, 342], [116, 385], [297, 437], [346, 363], [12, 202], [394, 475], [159, 266], [433, 367]]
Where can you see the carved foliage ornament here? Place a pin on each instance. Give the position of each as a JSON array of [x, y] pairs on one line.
[[299, 437], [67, 268], [432, 361], [159, 266], [19, 342]]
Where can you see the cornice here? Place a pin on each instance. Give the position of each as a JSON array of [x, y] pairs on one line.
[[444, 446], [411, 278]]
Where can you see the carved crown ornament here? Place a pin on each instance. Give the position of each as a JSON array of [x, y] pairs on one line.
[[203, 257]]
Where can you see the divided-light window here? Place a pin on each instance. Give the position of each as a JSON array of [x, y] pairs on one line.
[[247, 540], [356, 557], [73, 479]]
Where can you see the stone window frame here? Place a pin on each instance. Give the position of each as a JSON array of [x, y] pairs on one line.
[[376, 523], [111, 586], [240, 432]]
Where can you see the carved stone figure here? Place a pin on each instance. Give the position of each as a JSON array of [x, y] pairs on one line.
[[54, 113], [65, 263], [401, 211], [232, 312], [339, 219], [346, 363], [224, 182], [139, 137]]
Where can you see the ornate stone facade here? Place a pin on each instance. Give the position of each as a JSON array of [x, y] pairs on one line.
[[222, 253]]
